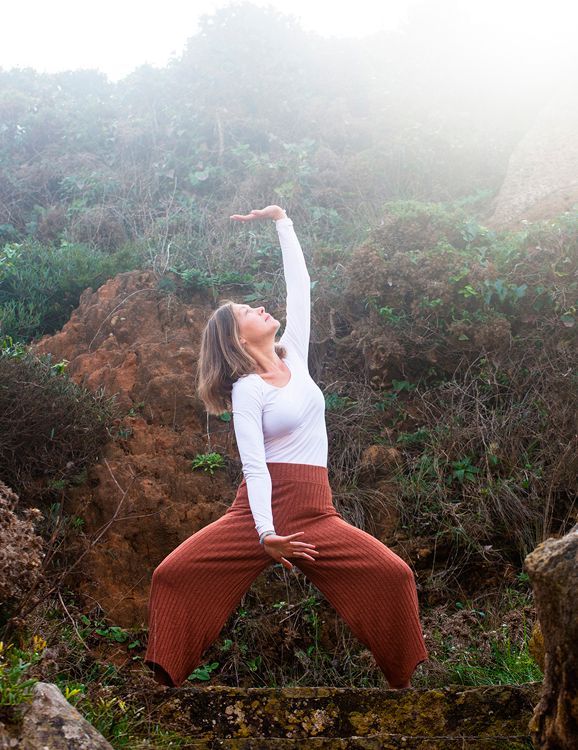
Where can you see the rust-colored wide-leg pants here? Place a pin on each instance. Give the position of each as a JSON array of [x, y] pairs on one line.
[[200, 583]]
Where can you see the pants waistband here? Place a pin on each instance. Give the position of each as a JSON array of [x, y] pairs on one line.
[[280, 470]]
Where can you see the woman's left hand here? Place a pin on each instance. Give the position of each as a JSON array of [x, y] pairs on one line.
[[269, 212], [282, 547]]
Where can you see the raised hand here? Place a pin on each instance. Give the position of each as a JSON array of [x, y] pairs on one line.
[[269, 212], [282, 547]]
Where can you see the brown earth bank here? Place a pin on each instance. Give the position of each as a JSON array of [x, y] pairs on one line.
[[141, 499]]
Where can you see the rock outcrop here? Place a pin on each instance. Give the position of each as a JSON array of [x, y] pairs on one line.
[[49, 722], [492, 717], [542, 177], [553, 571]]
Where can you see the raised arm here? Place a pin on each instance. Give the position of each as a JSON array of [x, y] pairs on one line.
[[298, 284], [297, 281], [246, 398]]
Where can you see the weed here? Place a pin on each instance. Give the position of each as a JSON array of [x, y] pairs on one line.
[[203, 673], [209, 462]]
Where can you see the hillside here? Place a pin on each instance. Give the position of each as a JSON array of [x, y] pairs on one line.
[[441, 236]]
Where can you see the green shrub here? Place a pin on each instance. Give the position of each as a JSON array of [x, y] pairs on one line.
[[41, 285], [48, 424]]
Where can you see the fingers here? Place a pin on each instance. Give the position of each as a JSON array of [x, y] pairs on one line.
[[240, 217], [301, 549], [308, 557], [256, 213], [306, 550], [269, 212], [304, 547]]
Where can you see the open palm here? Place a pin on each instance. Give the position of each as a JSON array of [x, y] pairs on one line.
[[269, 212]]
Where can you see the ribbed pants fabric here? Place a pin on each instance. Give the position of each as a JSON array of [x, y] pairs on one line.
[[200, 583]]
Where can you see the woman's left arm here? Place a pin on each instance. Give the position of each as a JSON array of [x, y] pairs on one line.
[[297, 280], [298, 283]]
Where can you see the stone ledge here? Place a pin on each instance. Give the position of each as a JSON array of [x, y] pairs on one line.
[[375, 742], [494, 716]]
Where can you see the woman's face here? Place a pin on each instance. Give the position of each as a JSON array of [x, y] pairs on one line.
[[255, 325]]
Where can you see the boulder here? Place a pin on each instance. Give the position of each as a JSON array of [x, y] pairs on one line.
[[542, 177], [49, 722], [553, 571]]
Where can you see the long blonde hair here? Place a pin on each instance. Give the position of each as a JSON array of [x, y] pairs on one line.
[[222, 359]]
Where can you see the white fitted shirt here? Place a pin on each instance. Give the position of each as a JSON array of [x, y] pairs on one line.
[[287, 423]]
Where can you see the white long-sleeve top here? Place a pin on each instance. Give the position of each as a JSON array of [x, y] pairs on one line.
[[287, 423]]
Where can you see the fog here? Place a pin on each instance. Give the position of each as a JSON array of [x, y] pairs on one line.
[[457, 42]]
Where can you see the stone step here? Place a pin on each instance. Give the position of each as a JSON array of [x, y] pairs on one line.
[[492, 717], [375, 742]]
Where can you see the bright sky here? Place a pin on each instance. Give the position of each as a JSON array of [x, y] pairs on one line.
[[116, 36]]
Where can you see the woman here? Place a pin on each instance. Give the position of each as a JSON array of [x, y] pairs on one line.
[[283, 510]]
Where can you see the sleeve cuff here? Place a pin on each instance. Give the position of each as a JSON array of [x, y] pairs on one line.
[[285, 221]]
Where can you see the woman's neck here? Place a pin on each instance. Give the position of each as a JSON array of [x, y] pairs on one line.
[[268, 361]]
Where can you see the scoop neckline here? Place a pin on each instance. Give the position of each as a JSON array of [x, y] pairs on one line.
[[278, 387]]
